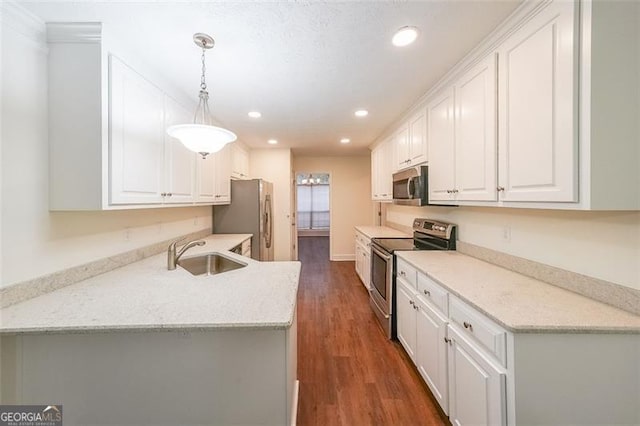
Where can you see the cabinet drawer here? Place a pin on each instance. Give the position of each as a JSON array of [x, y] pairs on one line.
[[362, 239], [406, 272], [482, 329], [431, 291]]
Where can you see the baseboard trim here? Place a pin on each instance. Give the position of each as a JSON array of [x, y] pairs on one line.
[[343, 257], [294, 405]]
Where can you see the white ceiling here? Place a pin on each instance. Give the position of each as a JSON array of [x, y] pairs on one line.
[[307, 66]]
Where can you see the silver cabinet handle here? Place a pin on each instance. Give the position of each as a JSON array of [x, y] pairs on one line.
[[427, 293], [403, 273], [500, 188], [468, 326], [411, 302], [447, 340], [164, 194]]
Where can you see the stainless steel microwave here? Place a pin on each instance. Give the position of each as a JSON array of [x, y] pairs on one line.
[[410, 187]]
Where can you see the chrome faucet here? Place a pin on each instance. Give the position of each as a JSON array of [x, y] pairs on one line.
[[172, 257]]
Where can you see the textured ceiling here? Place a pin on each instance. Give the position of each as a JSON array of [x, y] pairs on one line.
[[305, 65]]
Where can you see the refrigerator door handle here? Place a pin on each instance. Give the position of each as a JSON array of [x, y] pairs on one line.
[[268, 220]]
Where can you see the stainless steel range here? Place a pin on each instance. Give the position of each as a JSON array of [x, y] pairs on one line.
[[427, 235]]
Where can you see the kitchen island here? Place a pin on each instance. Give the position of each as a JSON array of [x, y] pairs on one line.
[[144, 345]]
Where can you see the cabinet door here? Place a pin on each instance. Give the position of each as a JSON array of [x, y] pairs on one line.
[[431, 352], [476, 386], [366, 266], [206, 182], [441, 142], [401, 141], [418, 138], [538, 108], [223, 176], [475, 123], [358, 259], [136, 137], [375, 173], [179, 161], [239, 162], [385, 158], [406, 321]]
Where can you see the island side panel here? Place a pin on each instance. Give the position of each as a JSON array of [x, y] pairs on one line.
[[292, 371], [199, 377], [586, 379]]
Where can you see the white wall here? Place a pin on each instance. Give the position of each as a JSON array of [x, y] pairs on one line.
[[274, 165], [34, 241], [350, 198], [604, 245]]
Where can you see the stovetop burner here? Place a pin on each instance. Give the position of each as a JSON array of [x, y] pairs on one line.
[[390, 245]]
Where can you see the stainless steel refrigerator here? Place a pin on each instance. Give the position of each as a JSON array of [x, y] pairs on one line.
[[250, 212]]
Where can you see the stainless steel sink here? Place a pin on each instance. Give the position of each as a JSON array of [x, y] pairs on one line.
[[209, 264]]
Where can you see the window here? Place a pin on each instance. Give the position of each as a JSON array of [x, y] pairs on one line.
[[313, 201]]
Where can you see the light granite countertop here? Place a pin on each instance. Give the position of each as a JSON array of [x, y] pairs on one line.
[[517, 302], [145, 296], [381, 232]]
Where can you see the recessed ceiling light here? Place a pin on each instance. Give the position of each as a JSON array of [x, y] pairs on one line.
[[254, 114], [272, 142], [405, 36], [345, 140], [361, 113]]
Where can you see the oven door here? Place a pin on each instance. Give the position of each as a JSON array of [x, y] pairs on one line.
[[381, 288]]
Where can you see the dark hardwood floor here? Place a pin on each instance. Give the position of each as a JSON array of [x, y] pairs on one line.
[[349, 373]]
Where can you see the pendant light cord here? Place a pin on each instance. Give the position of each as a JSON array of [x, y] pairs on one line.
[[203, 84]]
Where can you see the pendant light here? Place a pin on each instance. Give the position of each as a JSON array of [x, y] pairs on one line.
[[202, 136]]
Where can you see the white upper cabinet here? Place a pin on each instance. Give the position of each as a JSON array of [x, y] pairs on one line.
[[462, 137], [411, 142], [401, 141], [545, 112], [136, 137], [538, 108], [214, 177], [108, 146], [223, 176], [418, 138], [441, 136], [206, 182], [180, 162], [381, 171], [475, 124], [239, 161]]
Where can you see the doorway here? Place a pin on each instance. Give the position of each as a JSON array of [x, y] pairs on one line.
[[313, 211]]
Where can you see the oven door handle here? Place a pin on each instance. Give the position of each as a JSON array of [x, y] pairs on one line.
[[372, 297], [383, 255]]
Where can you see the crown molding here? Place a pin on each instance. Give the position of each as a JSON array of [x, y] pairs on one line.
[[74, 32], [17, 18]]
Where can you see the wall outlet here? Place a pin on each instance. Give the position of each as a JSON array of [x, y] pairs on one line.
[[506, 234]]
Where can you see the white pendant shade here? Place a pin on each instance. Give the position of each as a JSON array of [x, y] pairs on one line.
[[202, 138]]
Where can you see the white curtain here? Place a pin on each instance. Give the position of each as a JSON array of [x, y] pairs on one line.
[[313, 206]]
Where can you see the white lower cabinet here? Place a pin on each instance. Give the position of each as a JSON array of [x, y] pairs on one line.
[[431, 351], [363, 259], [406, 313], [465, 378], [481, 374], [477, 393]]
